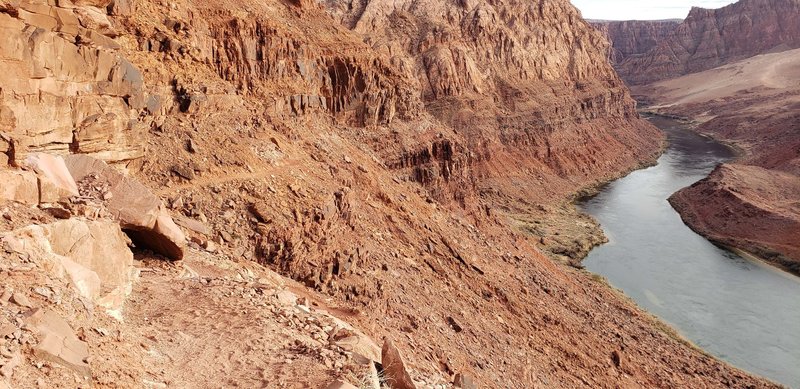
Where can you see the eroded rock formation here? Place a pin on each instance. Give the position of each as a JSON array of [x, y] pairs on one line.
[[708, 38], [372, 153], [543, 98], [634, 37], [66, 87]]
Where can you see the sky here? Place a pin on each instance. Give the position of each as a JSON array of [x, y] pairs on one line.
[[642, 9]]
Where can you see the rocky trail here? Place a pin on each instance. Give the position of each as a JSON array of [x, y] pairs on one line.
[[205, 325]]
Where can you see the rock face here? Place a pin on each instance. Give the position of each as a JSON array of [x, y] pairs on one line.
[[634, 37], [710, 38], [371, 152], [65, 87], [747, 207], [522, 99]]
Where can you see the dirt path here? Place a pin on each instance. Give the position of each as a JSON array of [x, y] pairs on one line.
[[204, 326]]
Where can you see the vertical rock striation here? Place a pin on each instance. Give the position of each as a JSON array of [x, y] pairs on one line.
[[634, 37], [526, 86], [712, 37]]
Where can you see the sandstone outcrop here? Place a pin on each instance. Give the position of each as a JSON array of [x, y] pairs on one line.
[[93, 255], [747, 207], [141, 214], [45, 180], [66, 87], [708, 38]]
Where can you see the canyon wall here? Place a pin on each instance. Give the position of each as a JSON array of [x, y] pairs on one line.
[[372, 153], [708, 38], [531, 104], [634, 37]]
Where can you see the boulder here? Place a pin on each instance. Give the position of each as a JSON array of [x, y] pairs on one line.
[[339, 384], [394, 369], [55, 180], [19, 186], [464, 381], [58, 344], [93, 255], [100, 250], [140, 213], [46, 181]]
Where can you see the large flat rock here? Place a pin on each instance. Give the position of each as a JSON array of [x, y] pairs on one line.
[[141, 214]]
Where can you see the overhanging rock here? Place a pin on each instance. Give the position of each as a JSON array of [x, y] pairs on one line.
[[140, 213]]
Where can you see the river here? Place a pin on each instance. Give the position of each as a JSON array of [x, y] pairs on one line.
[[742, 311]]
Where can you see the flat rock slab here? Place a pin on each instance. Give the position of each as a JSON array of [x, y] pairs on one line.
[[59, 343], [394, 369], [140, 213]]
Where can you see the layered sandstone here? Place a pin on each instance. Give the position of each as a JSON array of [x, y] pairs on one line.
[[530, 106], [377, 173], [66, 87], [634, 37], [708, 38]]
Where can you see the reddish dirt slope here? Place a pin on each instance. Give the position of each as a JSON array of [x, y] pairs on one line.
[[291, 141]]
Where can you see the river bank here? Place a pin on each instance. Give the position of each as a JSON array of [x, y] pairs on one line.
[[730, 306], [751, 203]]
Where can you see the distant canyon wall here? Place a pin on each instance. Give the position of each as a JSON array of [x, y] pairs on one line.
[[707, 38], [634, 37]]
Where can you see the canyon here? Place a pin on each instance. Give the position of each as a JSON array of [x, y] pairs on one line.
[[706, 39], [731, 73], [750, 204], [631, 38], [263, 193]]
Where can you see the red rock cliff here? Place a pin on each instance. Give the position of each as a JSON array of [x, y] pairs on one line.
[[712, 37], [526, 85], [320, 149], [634, 37]]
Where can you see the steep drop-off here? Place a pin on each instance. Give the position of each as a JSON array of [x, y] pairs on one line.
[[539, 111], [376, 172], [708, 38]]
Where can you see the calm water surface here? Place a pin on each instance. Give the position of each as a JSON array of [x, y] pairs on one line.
[[744, 312]]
